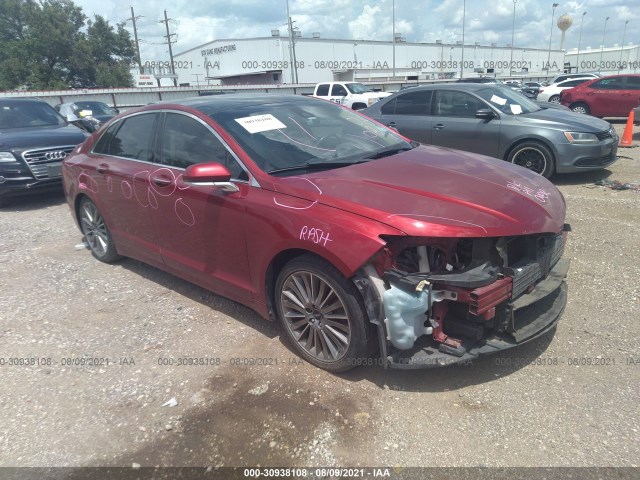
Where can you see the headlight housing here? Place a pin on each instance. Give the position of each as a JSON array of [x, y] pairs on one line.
[[7, 157], [581, 138]]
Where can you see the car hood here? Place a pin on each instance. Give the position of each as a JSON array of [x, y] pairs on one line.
[[23, 138], [432, 191], [564, 119]]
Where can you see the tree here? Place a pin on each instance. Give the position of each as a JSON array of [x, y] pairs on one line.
[[45, 45]]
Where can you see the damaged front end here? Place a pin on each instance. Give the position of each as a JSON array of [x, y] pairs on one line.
[[438, 301]]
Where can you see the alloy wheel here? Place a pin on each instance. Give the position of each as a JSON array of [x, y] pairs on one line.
[[316, 316]]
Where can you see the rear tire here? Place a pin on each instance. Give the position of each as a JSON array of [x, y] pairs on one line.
[[580, 107], [554, 99], [96, 233], [533, 156], [322, 314]]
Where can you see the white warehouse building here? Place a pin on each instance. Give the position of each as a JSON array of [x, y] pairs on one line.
[[271, 60]]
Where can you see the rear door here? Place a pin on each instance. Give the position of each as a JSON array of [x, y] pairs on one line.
[[454, 123], [409, 114], [123, 161]]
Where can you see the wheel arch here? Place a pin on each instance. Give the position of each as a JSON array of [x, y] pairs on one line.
[[76, 206], [530, 138], [278, 262]]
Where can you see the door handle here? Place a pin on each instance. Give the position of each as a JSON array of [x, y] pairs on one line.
[[391, 124], [439, 126], [161, 181], [102, 168]]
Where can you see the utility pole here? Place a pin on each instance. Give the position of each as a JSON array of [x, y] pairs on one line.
[[293, 51], [135, 35], [464, 13], [168, 37], [293, 80]]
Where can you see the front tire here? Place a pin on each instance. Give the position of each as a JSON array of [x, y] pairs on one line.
[[96, 232], [322, 314], [533, 156]]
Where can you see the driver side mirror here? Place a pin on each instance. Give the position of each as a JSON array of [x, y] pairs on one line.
[[210, 174], [485, 113]]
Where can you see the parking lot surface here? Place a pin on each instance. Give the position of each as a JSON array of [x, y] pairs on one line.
[[92, 356]]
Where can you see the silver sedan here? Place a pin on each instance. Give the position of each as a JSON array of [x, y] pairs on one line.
[[496, 121]]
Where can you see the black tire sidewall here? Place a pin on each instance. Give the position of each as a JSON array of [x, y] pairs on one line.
[[360, 330], [111, 254], [550, 163]]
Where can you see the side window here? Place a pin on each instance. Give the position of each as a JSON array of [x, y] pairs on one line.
[[455, 104], [609, 84], [389, 108], [633, 83], [323, 90], [413, 103], [572, 83], [130, 138], [185, 141], [339, 91]]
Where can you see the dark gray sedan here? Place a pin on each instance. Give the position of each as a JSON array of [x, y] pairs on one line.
[[496, 121]]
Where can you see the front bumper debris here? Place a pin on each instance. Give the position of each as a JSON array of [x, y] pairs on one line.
[[530, 316]]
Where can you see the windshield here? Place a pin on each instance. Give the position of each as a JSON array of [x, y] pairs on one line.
[[357, 88], [28, 114], [508, 101], [288, 136], [97, 108]]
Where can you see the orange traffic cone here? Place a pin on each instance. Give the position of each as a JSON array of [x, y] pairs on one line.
[[627, 136]]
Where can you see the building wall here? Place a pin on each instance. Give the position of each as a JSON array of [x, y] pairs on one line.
[[251, 61], [608, 61]]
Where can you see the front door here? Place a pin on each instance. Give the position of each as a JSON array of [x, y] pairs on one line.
[[200, 228], [454, 124]]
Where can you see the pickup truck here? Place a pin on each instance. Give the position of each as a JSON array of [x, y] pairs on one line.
[[351, 94]]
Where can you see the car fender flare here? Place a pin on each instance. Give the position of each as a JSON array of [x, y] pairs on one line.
[[529, 138]]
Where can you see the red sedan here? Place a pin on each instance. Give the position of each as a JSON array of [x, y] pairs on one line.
[[355, 239], [613, 96]]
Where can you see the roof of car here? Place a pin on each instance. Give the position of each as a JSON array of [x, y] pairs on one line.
[[460, 86], [8, 100], [217, 103]]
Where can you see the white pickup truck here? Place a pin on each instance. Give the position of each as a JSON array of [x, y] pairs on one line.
[[351, 94]]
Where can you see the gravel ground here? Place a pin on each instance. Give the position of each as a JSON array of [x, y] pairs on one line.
[[103, 333]]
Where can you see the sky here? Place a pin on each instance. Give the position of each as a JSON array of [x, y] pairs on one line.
[[196, 22]]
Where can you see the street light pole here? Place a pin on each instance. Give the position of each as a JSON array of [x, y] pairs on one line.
[[553, 13], [604, 30], [513, 33], [464, 12], [579, 41], [624, 32], [394, 38]]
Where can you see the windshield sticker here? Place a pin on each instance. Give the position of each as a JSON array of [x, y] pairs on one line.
[[260, 123], [516, 109], [498, 100]]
